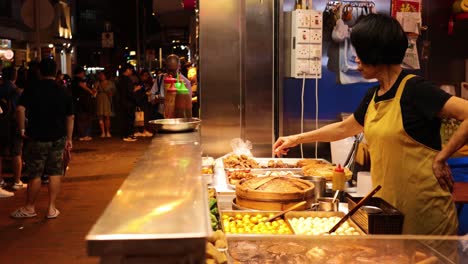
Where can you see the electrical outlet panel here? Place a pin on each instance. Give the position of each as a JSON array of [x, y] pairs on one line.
[[304, 54]]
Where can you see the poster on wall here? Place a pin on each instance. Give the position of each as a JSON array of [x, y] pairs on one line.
[[408, 13], [406, 6]]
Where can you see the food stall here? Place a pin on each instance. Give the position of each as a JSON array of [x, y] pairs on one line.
[[179, 207], [163, 215]]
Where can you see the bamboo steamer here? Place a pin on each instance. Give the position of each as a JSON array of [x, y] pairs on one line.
[[274, 193]]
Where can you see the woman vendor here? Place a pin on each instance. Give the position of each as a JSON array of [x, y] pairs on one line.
[[400, 119]]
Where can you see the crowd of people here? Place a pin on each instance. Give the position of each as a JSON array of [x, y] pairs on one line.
[[39, 106]]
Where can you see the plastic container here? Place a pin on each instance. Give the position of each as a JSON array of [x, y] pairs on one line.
[[339, 179], [389, 221], [170, 101], [183, 101]]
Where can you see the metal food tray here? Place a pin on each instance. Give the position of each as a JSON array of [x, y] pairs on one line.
[[208, 178], [175, 124], [263, 162], [290, 215], [261, 173], [297, 173], [234, 212]]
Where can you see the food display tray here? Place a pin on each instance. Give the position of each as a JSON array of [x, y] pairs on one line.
[[263, 162], [390, 221], [290, 215], [250, 213], [294, 173]]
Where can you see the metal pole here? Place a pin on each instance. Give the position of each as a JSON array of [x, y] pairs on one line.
[[138, 33], [160, 58], [37, 12]]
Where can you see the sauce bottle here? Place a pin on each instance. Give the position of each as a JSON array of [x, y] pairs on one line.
[[339, 178], [183, 101], [169, 100]]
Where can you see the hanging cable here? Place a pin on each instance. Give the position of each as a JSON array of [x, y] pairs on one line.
[[302, 111], [316, 114]]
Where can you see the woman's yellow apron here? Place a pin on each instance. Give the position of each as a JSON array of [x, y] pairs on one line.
[[403, 167]]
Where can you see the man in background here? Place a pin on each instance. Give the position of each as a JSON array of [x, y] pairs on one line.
[[157, 91], [48, 134], [126, 106], [83, 99], [10, 140]]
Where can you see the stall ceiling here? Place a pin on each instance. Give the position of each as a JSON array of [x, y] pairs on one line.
[[174, 20]]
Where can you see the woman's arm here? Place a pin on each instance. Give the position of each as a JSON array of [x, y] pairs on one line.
[[336, 131], [454, 108]]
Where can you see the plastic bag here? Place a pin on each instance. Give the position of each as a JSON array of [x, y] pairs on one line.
[[241, 147]]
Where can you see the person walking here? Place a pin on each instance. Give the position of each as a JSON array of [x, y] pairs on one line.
[[105, 89], [49, 133], [10, 140], [83, 96], [126, 90], [144, 103]]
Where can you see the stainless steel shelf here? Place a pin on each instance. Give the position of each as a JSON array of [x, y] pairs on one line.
[[161, 208]]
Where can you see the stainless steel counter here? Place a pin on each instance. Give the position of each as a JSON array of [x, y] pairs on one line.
[[160, 211]]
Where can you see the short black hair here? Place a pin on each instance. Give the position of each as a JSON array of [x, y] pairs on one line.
[[127, 66], [173, 57], [78, 70], [48, 67], [379, 39], [9, 73]]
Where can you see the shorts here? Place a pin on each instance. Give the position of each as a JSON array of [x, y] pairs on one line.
[[44, 158], [12, 147]]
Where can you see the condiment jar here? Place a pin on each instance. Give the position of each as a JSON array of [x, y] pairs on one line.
[[183, 101], [169, 101], [339, 178]]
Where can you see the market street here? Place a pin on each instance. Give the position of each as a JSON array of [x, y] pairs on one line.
[[96, 171]]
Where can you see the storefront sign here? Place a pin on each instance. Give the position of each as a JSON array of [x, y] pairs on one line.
[[5, 44]]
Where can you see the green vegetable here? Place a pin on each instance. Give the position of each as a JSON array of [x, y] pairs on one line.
[[212, 203], [215, 211], [213, 218]]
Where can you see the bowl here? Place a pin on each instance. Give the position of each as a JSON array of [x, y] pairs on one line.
[[175, 124]]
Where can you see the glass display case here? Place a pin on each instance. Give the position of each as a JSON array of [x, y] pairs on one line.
[[295, 249]]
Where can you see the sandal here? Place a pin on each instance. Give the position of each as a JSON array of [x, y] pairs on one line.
[[22, 213], [53, 216]]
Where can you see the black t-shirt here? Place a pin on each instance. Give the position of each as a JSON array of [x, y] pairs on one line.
[[421, 102], [126, 96], [47, 107]]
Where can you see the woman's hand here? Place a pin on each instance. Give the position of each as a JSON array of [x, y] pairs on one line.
[[282, 145], [68, 144], [443, 174]]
